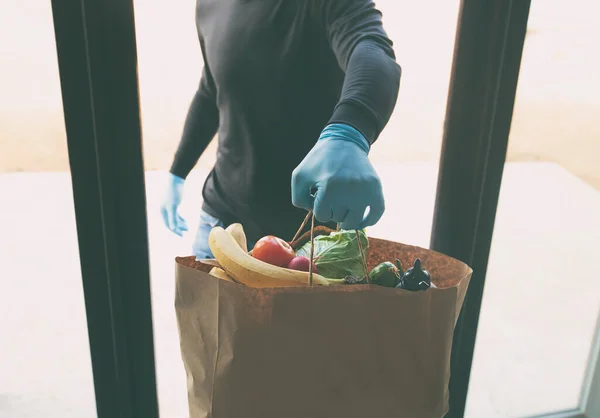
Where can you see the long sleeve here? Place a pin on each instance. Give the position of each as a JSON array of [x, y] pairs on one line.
[[200, 126], [365, 53]]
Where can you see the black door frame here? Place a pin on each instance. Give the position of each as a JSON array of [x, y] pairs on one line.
[[98, 70], [485, 71]]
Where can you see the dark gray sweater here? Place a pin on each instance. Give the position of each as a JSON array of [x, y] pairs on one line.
[[276, 73]]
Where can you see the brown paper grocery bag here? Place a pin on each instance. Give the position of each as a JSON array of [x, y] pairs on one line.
[[355, 351]]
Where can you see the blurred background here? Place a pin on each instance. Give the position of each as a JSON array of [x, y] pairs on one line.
[[541, 300]]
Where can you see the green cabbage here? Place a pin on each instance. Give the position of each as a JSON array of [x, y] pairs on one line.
[[337, 255]]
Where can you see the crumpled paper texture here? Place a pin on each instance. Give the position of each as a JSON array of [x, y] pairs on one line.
[[340, 351]]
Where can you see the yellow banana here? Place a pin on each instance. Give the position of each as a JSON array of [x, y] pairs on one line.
[[245, 269], [220, 273], [237, 231]]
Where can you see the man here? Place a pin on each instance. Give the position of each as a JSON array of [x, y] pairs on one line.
[[298, 91]]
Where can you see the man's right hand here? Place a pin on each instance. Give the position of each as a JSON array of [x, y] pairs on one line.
[[170, 205]]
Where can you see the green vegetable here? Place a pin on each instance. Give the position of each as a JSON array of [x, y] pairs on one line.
[[399, 265], [338, 254], [385, 274]]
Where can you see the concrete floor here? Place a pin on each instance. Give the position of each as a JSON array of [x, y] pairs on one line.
[[541, 301]]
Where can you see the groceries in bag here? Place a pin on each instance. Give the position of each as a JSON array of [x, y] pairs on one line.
[[337, 260], [250, 271]]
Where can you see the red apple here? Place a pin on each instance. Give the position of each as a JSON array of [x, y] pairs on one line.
[[273, 250]]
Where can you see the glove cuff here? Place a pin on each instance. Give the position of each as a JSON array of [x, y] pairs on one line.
[[342, 131], [175, 180]]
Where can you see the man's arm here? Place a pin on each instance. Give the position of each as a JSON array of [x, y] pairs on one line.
[[365, 53], [348, 190], [200, 126]]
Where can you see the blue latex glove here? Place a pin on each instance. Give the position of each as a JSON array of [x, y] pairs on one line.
[[346, 184], [170, 205]]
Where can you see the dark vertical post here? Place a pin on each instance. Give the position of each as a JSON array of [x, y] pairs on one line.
[[590, 397], [98, 70], [487, 59]]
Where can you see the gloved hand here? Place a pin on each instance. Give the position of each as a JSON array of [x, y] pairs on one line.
[[346, 184], [170, 205]]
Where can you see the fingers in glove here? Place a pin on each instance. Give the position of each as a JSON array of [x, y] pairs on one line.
[[339, 214], [182, 223], [301, 191], [353, 219], [322, 208], [376, 211], [172, 220]]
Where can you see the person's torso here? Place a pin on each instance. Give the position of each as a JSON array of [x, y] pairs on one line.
[[277, 83]]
